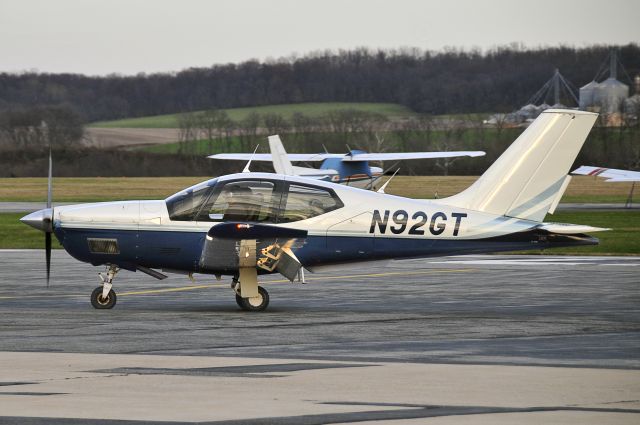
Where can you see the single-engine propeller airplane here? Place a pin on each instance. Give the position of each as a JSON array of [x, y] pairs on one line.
[[351, 169], [248, 224]]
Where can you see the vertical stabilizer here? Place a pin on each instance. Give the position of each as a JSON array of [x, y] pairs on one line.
[[525, 181], [281, 162]]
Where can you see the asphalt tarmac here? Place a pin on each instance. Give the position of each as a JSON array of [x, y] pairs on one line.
[[474, 339]]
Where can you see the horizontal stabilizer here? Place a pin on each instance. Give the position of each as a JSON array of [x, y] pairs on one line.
[[570, 229]]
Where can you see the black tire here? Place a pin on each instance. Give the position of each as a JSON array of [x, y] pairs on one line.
[[258, 303], [101, 304]]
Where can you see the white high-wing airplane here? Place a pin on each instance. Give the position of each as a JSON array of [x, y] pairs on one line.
[[351, 169], [610, 174], [247, 224]]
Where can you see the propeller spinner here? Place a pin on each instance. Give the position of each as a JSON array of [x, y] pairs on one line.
[[43, 220]]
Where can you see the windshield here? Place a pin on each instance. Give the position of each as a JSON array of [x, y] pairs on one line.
[[184, 205], [256, 200]]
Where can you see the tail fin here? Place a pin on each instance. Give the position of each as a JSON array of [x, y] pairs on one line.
[[529, 178], [281, 162]]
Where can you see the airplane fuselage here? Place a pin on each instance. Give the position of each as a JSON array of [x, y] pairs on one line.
[[368, 226]]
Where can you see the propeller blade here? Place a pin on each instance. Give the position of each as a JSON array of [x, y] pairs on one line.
[[47, 247], [47, 235], [49, 181]]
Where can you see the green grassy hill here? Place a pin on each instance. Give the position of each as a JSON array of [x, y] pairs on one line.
[[237, 114]]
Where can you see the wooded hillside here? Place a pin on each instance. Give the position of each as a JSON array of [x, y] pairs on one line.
[[454, 81]]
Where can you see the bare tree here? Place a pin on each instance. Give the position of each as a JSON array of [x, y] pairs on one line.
[[275, 123], [35, 128], [189, 132], [248, 128]]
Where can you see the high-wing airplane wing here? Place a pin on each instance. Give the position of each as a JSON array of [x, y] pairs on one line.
[[293, 157], [397, 156], [611, 174], [311, 157]]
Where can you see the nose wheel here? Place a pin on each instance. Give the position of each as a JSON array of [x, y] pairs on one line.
[[100, 302], [104, 297]]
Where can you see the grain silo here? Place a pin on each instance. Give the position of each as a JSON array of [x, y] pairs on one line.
[[587, 95], [611, 93]]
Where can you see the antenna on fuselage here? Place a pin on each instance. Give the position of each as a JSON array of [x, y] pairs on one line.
[[381, 190], [246, 167]]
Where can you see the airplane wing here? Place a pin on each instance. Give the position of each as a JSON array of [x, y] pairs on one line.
[[310, 157], [611, 174], [248, 247], [397, 156], [293, 157]]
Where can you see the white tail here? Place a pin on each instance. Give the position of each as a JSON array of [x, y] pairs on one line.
[[529, 178], [281, 163]]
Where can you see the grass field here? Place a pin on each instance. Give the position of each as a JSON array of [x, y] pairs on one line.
[[90, 189], [624, 239], [237, 114]]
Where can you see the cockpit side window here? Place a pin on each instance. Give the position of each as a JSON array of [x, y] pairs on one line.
[[183, 206], [244, 200], [304, 202]]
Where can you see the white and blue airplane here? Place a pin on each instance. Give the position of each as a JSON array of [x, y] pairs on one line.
[[248, 224], [351, 169]]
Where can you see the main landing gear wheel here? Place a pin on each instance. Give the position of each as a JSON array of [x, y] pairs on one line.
[[258, 303], [100, 302]]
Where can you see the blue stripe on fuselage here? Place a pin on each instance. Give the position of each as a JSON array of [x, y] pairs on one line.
[[182, 250]]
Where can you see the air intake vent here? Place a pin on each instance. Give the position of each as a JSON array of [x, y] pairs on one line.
[[169, 250], [103, 246]]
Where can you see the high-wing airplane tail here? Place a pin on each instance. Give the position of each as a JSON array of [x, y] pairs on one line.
[[529, 178], [281, 162]]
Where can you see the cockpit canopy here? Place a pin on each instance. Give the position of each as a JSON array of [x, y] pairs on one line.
[[252, 199]]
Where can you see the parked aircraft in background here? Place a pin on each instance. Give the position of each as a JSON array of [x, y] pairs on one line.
[[351, 169], [610, 174], [247, 224]]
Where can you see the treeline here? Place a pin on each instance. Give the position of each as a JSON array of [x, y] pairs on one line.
[[214, 131], [26, 134], [82, 161], [453, 81], [611, 147]]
